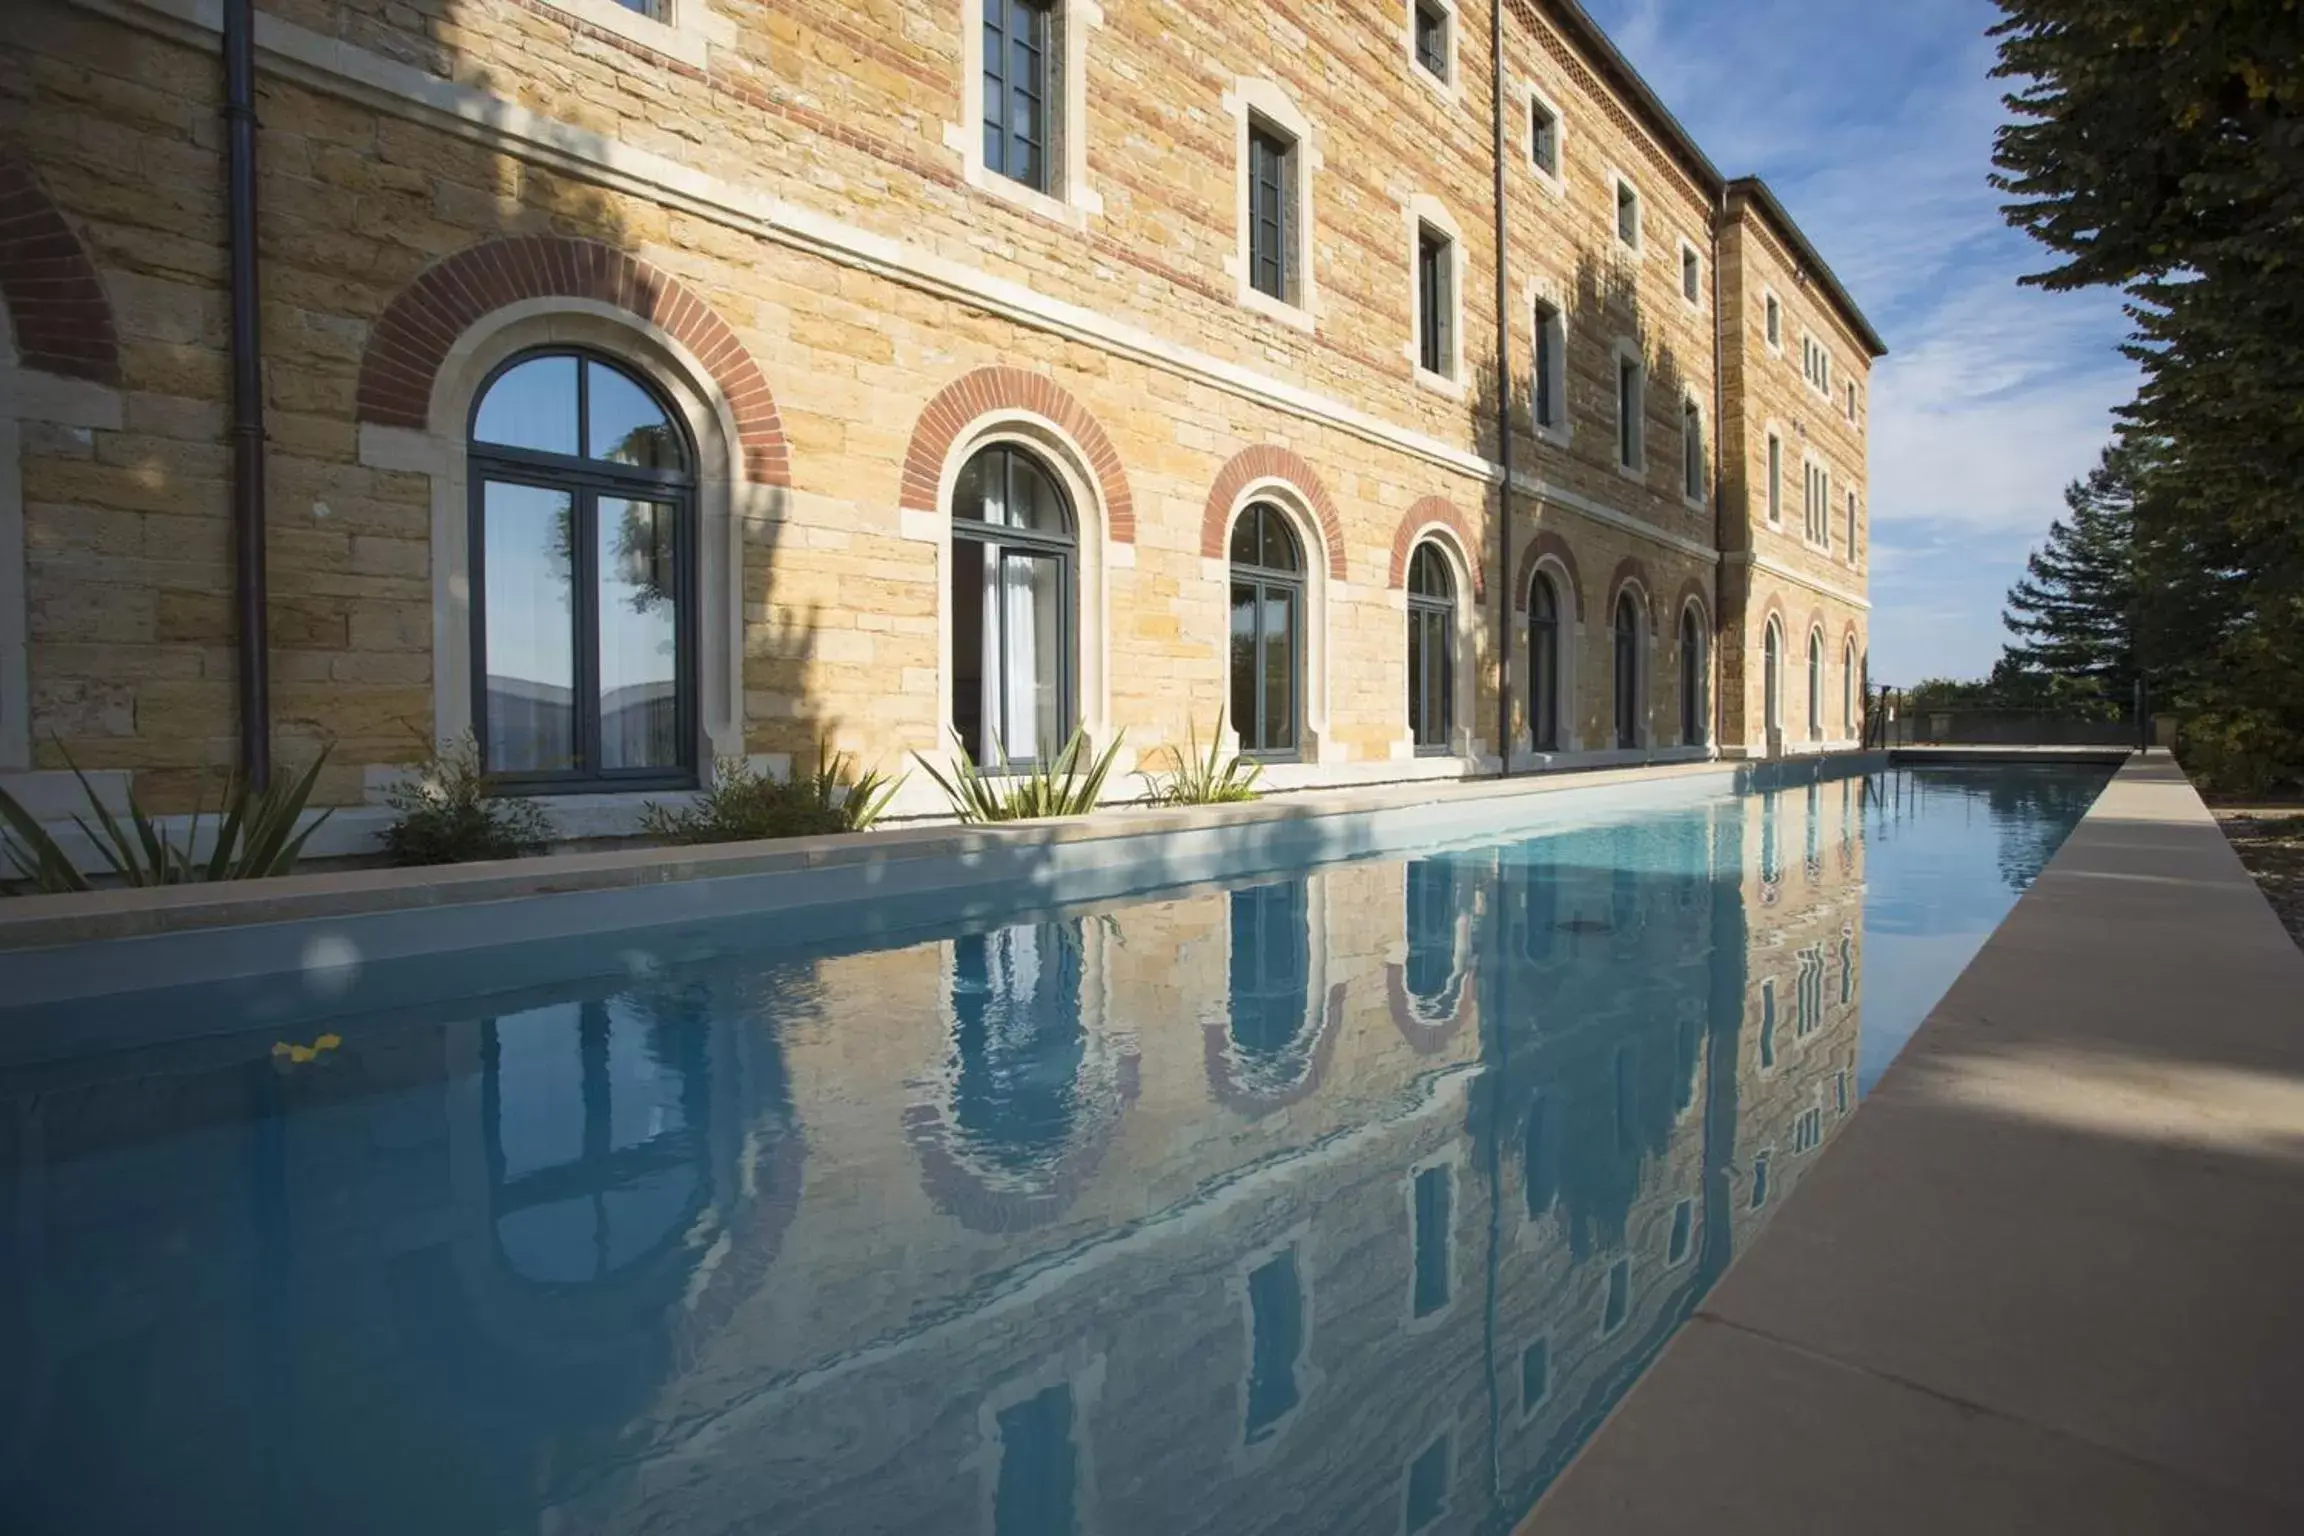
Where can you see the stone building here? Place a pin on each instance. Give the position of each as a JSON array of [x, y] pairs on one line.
[[649, 382]]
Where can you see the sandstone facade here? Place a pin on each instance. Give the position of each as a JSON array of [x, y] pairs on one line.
[[779, 217]]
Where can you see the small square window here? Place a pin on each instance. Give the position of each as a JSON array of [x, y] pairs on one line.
[[1544, 137], [1627, 215], [1691, 274], [1432, 20]]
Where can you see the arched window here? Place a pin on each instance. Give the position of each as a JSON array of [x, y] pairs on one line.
[[1628, 711], [597, 1121], [1267, 632], [1431, 649], [1438, 895], [1772, 676], [584, 545], [1694, 715], [1848, 691], [1270, 987], [1816, 687], [1013, 542], [1544, 664]]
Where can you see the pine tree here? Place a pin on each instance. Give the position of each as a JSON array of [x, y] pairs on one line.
[[2074, 613]]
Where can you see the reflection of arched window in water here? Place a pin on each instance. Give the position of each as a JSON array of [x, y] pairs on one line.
[[1815, 832], [596, 1117], [1018, 1042], [1439, 898], [1275, 1023], [1023, 1105], [1771, 846]]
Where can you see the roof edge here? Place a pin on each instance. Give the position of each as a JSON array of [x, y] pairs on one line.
[[1757, 191], [1589, 35]]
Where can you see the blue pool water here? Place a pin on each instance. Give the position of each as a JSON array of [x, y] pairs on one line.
[[1339, 1199]]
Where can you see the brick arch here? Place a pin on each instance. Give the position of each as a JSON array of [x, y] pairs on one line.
[[1267, 461], [1772, 609], [412, 339], [1693, 590], [1628, 570], [972, 397], [57, 307], [1815, 626], [1436, 512], [1545, 543]]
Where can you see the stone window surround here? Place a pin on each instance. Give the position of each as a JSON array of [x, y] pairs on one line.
[[1422, 210], [1321, 590], [1773, 719], [1815, 674], [686, 36], [1624, 1263], [1772, 433], [1810, 459], [1074, 201], [1543, 290], [1075, 1366], [1815, 359], [1853, 519], [1680, 279], [1466, 637], [1308, 1375], [1637, 248], [1323, 1012], [1692, 400], [1450, 89], [1258, 98], [1094, 553], [1644, 659], [1452, 1162], [1532, 96], [1694, 604], [1626, 350], [725, 500], [1770, 302], [1570, 632], [1551, 1370]]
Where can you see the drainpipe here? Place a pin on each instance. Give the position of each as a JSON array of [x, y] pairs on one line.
[[247, 393], [1720, 344], [1503, 412]]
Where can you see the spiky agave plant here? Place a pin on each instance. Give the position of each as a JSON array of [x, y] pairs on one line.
[[1069, 785], [1197, 778], [256, 837]]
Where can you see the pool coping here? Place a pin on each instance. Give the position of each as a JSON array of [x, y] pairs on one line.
[[2040, 1282], [32, 923]]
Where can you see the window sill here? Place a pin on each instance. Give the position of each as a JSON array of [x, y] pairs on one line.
[[1298, 316], [1073, 210], [686, 39], [1636, 473], [1554, 182], [1694, 503], [1446, 89], [1440, 383], [1561, 436]]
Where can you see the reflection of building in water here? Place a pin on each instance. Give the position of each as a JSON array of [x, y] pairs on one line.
[[1342, 1202]]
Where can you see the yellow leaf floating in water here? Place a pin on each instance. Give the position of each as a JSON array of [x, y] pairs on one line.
[[328, 1042], [281, 1048]]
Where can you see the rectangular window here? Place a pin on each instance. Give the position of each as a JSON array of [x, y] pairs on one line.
[[1544, 138], [1692, 450], [1271, 212], [1631, 405], [1627, 215], [1775, 322], [1434, 1194], [654, 10], [1851, 544], [1039, 1471], [1535, 1375], [1851, 405], [1275, 1343], [1775, 479], [1432, 38], [1550, 380], [1427, 1498], [1691, 274], [1016, 89], [1435, 303]]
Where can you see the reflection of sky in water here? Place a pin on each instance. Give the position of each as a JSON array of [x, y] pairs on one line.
[[1104, 1221]]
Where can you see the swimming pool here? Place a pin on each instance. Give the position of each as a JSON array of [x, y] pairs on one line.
[[1339, 1198]]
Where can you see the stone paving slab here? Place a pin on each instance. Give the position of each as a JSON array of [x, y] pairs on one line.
[[2072, 1216]]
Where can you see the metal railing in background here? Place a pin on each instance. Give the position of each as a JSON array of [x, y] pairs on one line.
[[1894, 720]]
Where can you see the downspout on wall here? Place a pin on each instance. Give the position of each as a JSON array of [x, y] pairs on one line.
[[1503, 411], [1721, 341], [248, 564]]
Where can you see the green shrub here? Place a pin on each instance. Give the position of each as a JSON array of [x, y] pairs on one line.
[[2243, 752], [1197, 778], [744, 805], [256, 837], [1069, 786], [450, 814]]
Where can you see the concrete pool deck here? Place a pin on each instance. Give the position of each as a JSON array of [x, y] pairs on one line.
[[2048, 1278]]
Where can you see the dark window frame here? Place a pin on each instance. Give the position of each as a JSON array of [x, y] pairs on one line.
[[1432, 616], [1544, 663], [1264, 581], [1692, 462], [1624, 629], [1433, 28], [586, 480], [1631, 413], [999, 540], [1028, 26], [1695, 727], [1274, 266], [1435, 301], [1543, 136], [1550, 371]]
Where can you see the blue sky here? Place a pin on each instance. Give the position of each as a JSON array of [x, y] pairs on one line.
[[1873, 121]]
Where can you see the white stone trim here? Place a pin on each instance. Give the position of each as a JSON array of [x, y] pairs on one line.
[[28, 394], [1533, 95], [1707, 706], [1321, 594], [1637, 248], [1816, 672], [504, 126], [1772, 468], [1815, 359], [1297, 1239], [687, 36], [1258, 97], [1760, 562], [1450, 89], [1692, 399], [1544, 290], [1075, 1365], [726, 503], [1624, 349], [1769, 299], [1421, 210], [1693, 304], [1451, 1161], [1815, 500], [1074, 200], [1463, 738], [1570, 598], [1643, 660]]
